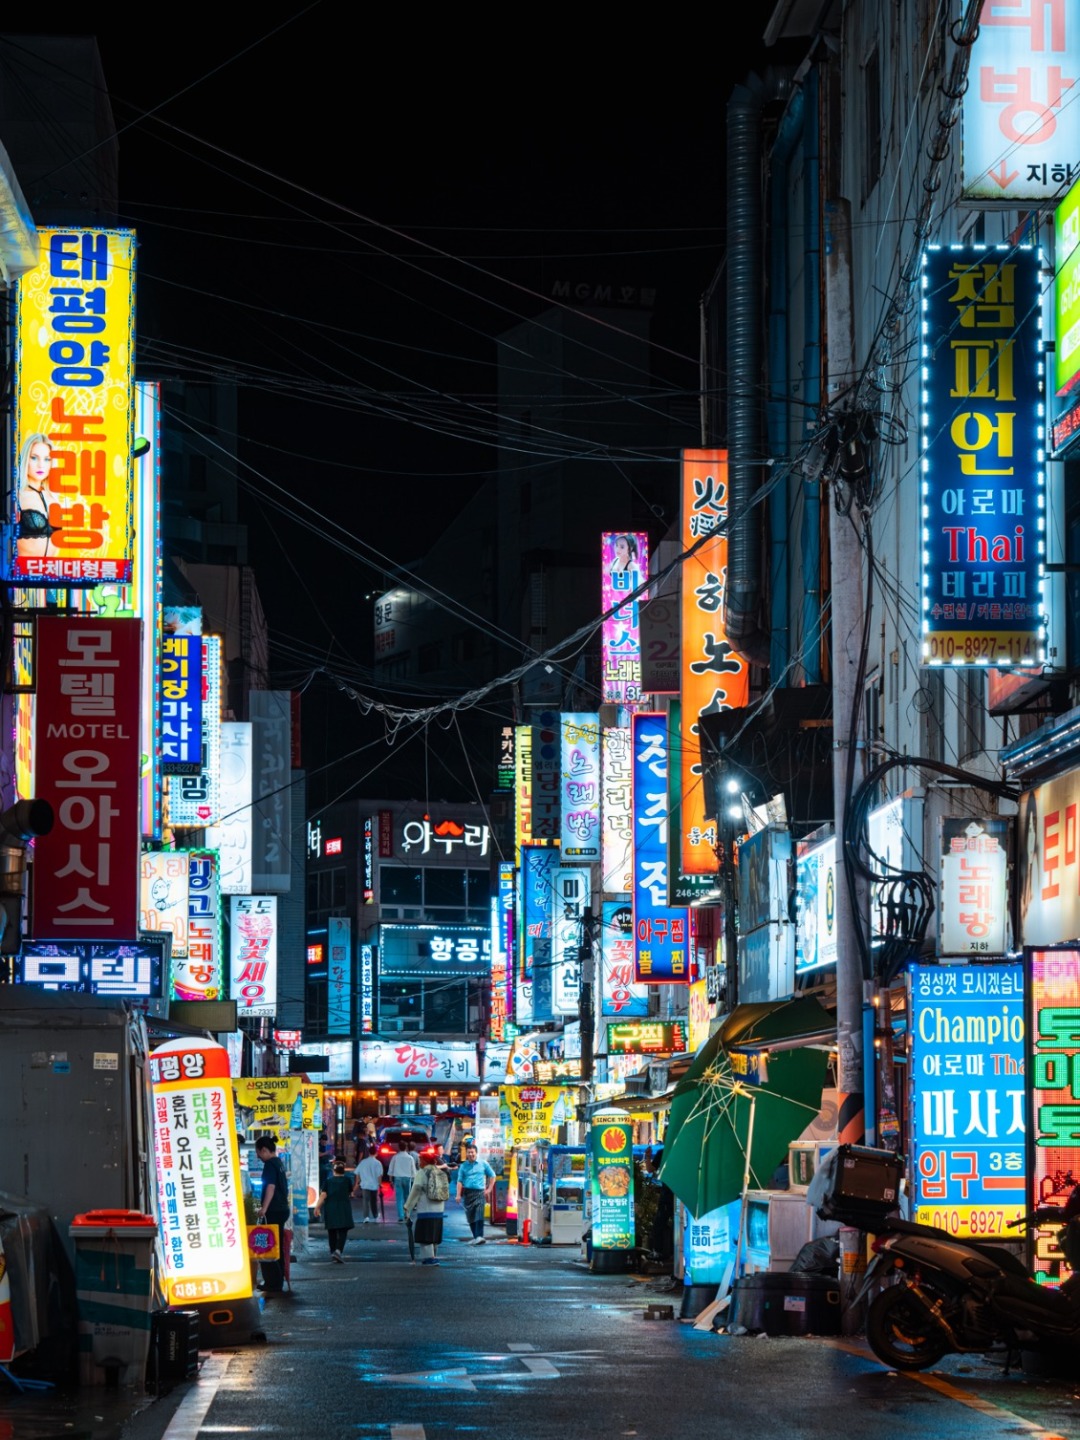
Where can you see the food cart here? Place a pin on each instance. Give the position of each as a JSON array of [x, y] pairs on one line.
[[551, 1185]]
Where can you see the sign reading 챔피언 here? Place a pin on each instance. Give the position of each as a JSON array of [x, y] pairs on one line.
[[73, 499], [1053, 1066], [1020, 121], [968, 1096], [203, 1229], [612, 1184], [983, 438]]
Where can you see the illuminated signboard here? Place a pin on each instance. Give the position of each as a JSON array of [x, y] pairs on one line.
[[815, 923], [288, 1039], [1049, 891], [397, 1062], [193, 799], [569, 903], [618, 841], [647, 1037], [968, 1100], [253, 955], [164, 902], [684, 889], [983, 437], [367, 989], [198, 976], [611, 1179], [72, 504], [203, 1239], [434, 950], [369, 860], [1054, 1077], [316, 954], [505, 760], [538, 866], [181, 704], [661, 932], [580, 785], [499, 970], [231, 835], [619, 994], [94, 969], [506, 900], [442, 837], [1021, 131], [546, 756], [714, 677], [973, 894], [86, 871], [334, 847], [522, 788], [625, 565], [1067, 292], [339, 976]]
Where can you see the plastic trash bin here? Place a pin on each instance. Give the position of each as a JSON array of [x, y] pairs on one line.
[[114, 1261]]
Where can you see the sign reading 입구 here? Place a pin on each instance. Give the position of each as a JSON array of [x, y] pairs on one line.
[[982, 439]]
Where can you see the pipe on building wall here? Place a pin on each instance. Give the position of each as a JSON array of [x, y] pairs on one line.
[[746, 420], [811, 520], [776, 405]]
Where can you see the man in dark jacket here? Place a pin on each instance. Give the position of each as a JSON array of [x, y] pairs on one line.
[[273, 1208]]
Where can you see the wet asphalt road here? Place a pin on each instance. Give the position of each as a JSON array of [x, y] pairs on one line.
[[503, 1340]]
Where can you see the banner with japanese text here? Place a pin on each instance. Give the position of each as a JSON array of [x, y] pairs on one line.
[[983, 439], [72, 504]]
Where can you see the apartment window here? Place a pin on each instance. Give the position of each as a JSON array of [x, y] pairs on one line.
[[872, 164], [972, 713], [930, 700]]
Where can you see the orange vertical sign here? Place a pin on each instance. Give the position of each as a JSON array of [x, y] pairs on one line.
[[714, 677]]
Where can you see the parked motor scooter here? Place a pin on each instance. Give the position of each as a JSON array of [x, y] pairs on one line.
[[950, 1295]]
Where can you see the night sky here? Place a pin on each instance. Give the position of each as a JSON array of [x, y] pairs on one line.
[[340, 214]]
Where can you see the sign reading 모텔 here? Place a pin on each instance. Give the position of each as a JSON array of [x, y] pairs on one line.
[[73, 501], [968, 1096], [983, 437]]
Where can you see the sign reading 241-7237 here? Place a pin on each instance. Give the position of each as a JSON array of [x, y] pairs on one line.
[[983, 438]]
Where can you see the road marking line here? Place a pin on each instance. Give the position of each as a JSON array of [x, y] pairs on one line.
[[539, 1366], [407, 1432], [521, 1346], [953, 1392], [192, 1410]]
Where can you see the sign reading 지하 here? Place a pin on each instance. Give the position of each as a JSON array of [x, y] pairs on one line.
[[611, 1145], [1054, 1071], [203, 1229], [968, 1096], [73, 503], [1020, 120], [983, 436]]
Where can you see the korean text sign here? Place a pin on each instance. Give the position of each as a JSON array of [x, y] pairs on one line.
[[198, 976], [714, 677], [1054, 1071], [974, 893], [617, 844], [339, 980], [1021, 125], [1067, 292], [203, 1229], [580, 784], [86, 871], [968, 1096], [983, 469], [619, 994], [193, 799], [661, 932], [73, 503], [611, 1180], [625, 561], [181, 704], [164, 901], [1050, 861], [253, 972]]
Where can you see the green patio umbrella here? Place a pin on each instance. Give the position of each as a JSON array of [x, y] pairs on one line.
[[739, 1106]]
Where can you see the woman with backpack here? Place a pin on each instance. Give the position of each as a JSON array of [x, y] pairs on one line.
[[427, 1197]]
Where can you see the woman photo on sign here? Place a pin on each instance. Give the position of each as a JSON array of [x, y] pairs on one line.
[[35, 499]]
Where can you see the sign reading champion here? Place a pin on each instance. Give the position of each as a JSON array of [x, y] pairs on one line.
[[983, 438]]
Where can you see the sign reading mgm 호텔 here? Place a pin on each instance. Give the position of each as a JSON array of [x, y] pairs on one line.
[[983, 477]]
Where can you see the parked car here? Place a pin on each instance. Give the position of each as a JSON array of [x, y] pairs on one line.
[[392, 1137]]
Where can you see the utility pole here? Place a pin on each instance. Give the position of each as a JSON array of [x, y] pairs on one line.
[[848, 622]]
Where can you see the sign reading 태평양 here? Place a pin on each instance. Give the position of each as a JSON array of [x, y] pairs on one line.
[[983, 437]]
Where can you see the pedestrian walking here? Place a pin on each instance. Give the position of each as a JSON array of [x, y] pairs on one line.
[[403, 1167], [427, 1196], [368, 1180], [274, 1209], [335, 1206], [475, 1181]]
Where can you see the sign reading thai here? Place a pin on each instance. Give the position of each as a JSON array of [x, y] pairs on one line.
[[1054, 1071], [203, 1229], [968, 1096], [75, 326], [983, 438]]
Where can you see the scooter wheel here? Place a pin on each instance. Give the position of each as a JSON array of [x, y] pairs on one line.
[[901, 1332]]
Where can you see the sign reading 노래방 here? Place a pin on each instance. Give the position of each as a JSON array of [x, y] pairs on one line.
[[580, 787], [973, 894], [203, 1234], [73, 501], [983, 440], [968, 1096]]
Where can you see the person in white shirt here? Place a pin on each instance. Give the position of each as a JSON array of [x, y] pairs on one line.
[[369, 1179], [403, 1167]]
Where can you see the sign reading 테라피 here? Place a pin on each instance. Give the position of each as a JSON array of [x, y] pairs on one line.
[[983, 439], [612, 1183], [203, 1229]]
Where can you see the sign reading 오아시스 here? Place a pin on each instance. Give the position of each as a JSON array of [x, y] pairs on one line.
[[661, 932], [73, 503], [983, 470], [968, 1096]]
